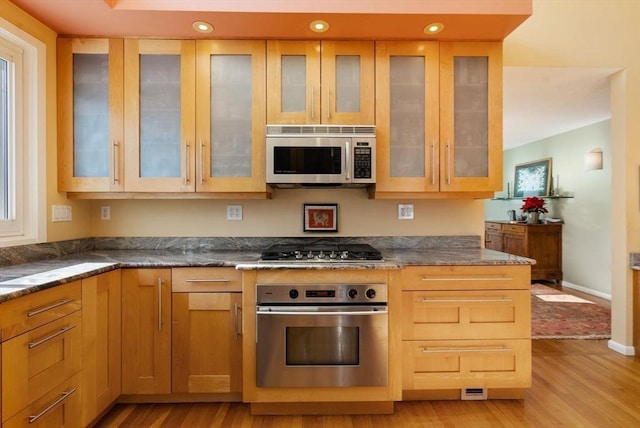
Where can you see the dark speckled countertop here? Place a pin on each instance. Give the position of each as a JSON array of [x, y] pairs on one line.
[[17, 279]]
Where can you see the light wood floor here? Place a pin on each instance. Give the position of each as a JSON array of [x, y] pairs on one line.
[[576, 383]]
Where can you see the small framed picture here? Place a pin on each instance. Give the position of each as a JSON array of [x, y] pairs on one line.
[[320, 218], [532, 179]]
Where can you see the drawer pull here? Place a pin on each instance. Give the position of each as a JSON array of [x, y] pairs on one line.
[[444, 350], [209, 280], [48, 308], [63, 397], [63, 330], [470, 300], [479, 278]]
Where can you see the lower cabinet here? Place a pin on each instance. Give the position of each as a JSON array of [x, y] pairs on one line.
[[466, 327], [41, 358], [60, 407], [101, 343], [206, 330], [146, 331]]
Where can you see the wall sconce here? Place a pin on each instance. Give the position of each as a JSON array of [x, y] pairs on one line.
[[593, 160]]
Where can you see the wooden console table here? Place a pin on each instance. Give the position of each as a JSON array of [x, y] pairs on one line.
[[542, 242]]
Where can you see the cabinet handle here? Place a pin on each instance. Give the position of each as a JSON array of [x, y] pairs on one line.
[[43, 412], [448, 163], [236, 320], [48, 308], [201, 162], [347, 160], [426, 350], [313, 103], [208, 280], [328, 101], [479, 278], [469, 300], [116, 145], [63, 330], [159, 303], [186, 163], [433, 162]]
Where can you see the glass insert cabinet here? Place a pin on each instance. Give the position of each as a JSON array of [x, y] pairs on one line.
[[438, 116], [184, 116], [128, 115]]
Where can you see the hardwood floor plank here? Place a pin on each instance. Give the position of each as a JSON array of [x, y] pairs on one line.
[[575, 383]]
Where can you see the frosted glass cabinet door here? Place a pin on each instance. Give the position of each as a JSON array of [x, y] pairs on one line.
[[471, 98], [320, 82], [230, 116], [293, 76], [347, 88], [160, 115], [90, 120], [407, 116]]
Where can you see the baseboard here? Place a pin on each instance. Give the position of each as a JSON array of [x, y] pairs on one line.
[[586, 290], [621, 349]]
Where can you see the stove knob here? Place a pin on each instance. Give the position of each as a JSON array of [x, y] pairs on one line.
[[370, 293], [293, 293], [353, 293], [333, 255]]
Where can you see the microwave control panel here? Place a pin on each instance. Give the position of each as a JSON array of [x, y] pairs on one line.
[[362, 160]]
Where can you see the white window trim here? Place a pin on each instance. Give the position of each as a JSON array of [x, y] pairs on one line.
[[31, 197]]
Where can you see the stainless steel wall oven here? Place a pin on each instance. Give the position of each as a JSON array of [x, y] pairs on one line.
[[321, 335]]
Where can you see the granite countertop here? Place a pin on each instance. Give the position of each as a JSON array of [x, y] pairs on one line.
[[25, 278]]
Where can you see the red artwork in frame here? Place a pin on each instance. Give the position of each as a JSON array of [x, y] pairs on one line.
[[320, 218]]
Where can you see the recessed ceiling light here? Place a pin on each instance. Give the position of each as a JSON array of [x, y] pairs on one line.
[[319, 26], [434, 28], [202, 27]]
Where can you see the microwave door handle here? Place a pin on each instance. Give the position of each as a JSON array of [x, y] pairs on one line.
[[347, 158]]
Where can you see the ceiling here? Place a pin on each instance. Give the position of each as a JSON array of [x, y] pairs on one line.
[[538, 102]]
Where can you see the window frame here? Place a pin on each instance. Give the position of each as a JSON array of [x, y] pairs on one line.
[[27, 153]]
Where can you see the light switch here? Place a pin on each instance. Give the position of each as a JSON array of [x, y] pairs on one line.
[[60, 213]]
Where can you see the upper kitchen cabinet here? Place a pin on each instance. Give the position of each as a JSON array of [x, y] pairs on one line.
[[230, 116], [320, 82], [471, 116], [90, 115], [438, 119], [407, 126], [159, 113]]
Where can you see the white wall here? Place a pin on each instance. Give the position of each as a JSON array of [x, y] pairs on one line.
[[586, 234]]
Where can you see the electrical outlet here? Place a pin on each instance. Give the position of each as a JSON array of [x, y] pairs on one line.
[[234, 212], [105, 213], [405, 211], [60, 213]]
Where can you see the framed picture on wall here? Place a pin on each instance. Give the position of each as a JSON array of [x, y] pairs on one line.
[[320, 218], [532, 178]]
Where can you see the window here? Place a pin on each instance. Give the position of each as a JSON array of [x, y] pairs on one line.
[[22, 166]]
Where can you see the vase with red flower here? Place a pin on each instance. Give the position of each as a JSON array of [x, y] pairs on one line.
[[533, 206]]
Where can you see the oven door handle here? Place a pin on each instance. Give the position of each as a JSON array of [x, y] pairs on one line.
[[289, 311]]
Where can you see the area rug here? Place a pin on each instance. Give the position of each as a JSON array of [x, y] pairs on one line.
[[556, 315]]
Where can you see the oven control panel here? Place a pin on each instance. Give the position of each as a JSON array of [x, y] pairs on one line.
[[309, 294]]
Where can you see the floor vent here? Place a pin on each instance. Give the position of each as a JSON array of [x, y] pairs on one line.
[[473, 394]]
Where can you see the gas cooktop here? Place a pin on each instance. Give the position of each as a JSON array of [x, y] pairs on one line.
[[321, 253]]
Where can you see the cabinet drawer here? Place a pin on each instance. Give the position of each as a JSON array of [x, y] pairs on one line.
[[502, 277], [492, 314], [187, 280], [35, 362], [28, 312], [517, 229], [493, 226], [454, 364], [60, 407]]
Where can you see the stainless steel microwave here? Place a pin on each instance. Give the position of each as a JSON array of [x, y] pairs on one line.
[[321, 155]]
